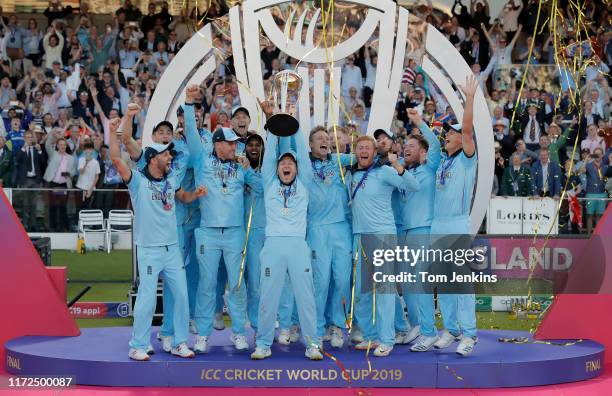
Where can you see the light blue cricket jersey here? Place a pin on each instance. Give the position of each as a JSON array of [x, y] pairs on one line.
[[328, 194], [455, 179], [371, 198], [286, 206], [154, 208], [416, 207], [223, 206], [255, 197], [179, 169]]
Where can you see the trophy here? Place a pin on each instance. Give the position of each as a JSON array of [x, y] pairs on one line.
[[286, 85]]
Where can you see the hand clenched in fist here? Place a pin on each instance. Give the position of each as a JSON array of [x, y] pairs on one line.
[[192, 93]]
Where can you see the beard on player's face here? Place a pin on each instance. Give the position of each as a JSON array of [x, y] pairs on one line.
[[365, 154]]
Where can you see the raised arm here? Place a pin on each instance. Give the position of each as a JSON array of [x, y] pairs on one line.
[[467, 127], [115, 154], [127, 138], [268, 166], [304, 167], [194, 144], [97, 107]]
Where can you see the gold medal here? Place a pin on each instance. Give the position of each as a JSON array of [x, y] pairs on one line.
[[327, 181], [225, 190], [285, 211]]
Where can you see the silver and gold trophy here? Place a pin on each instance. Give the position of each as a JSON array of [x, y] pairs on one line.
[[286, 86]]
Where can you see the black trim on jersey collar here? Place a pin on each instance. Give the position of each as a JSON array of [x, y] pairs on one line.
[[146, 174], [469, 156], [312, 158]]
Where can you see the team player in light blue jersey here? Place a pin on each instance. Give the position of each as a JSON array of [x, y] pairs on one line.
[[221, 233], [421, 158], [455, 179], [370, 188], [153, 191], [163, 133], [255, 217], [329, 234], [287, 179]]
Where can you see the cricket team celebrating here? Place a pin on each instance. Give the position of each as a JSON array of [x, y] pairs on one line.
[[277, 227]]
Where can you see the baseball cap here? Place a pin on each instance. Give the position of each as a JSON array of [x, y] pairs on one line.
[[224, 135], [388, 133], [290, 153], [179, 111], [239, 109], [451, 127], [166, 123], [155, 149]]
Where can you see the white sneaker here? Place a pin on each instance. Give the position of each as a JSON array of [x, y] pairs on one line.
[[166, 342], [406, 337], [424, 343], [284, 337], [182, 350], [446, 339], [337, 339], [363, 345], [261, 353], [383, 350], [294, 333], [356, 335], [313, 353], [192, 327], [466, 346], [201, 344], [219, 323], [328, 334], [240, 342], [150, 350], [138, 354]]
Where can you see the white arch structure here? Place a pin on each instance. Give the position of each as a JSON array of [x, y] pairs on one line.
[[442, 62]]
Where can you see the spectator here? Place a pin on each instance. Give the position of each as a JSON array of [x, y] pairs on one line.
[[509, 16], [32, 36], [53, 43], [546, 176], [593, 141], [532, 126], [59, 176], [558, 140], [29, 172], [163, 17], [6, 164], [516, 181], [595, 188], [505, 141], [89, 171], [148, 21], [56, 11], [131, 13], [351, 76]]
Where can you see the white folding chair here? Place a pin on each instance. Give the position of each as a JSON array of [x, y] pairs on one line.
[[119, 221], [92, 222]]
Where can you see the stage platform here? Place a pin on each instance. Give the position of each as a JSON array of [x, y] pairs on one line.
[[99, 357]]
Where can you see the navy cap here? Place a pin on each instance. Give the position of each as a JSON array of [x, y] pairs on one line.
[[155, 149], [179, 111], [239, 109], [388, 133], [451, 127], [289, 153], [166, 123], [224, 135]]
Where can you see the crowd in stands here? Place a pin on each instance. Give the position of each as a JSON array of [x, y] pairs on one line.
[[61, 83]]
